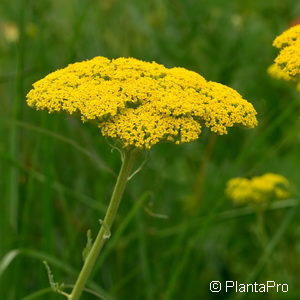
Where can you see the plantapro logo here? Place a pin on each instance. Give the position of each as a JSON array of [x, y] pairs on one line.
[[235, 286]]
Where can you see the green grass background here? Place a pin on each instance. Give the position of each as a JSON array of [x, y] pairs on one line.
[[175, 230]]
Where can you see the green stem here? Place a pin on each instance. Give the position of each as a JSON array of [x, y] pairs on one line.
[[261, 228], [104, 231]]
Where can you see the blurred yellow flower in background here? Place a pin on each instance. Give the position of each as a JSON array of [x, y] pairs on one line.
[[288, 37], [31, 30], [142, 103], [10, 31], [288, 59], [259, 189], [277, 73]]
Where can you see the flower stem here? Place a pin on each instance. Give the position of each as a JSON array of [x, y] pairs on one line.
[[261, 228], [104, 231]]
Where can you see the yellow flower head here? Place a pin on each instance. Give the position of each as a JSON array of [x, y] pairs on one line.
[[142, 103], [288, 37], [258, 189], [288, 59]]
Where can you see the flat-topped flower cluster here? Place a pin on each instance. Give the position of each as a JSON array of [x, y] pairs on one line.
[[287, 63], [142, 103], [259, 189]]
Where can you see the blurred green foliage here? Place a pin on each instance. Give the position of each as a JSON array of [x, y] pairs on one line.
[[175, 231]]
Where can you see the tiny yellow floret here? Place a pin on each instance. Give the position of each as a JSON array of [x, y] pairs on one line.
[[142, 103], [259, 189]]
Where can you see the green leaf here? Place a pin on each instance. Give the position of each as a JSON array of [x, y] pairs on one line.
[[88, 246]]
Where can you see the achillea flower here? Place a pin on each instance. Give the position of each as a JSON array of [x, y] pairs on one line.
[[288, 58], [139, 104], [288, 37], [260, 189], [142, 103]]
